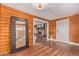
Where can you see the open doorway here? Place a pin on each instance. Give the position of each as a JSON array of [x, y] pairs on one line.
[[40, 31]]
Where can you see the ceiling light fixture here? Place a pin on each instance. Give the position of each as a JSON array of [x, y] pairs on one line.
[[39, 5]]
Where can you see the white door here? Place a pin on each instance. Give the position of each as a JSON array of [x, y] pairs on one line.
[[62, 30]]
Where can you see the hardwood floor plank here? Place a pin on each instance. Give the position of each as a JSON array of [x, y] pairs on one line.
[[56, 49], [46, 52]]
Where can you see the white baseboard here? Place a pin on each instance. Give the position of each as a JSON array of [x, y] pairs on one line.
[[71, 43]]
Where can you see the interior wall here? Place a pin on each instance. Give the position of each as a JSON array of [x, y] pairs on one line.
[[73, 27], [52, 29], [5, 24]]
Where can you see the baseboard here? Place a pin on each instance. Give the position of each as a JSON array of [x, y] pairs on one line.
[[71, 43]]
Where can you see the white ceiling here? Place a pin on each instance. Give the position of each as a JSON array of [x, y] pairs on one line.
[[50, 12]]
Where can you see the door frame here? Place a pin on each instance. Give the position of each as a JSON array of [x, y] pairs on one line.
[[37, 19]]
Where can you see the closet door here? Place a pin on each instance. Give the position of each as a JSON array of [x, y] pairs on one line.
[[19, 34], [62, 30]]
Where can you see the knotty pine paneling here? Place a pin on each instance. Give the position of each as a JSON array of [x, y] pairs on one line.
[[74, 29], [52, 28], [5, 27]]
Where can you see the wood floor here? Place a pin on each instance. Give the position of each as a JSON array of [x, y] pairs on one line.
[[54, 49]]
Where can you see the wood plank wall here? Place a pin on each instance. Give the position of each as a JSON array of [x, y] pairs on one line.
[[0, 26], [73, 27], [52, 29], [5, 24]]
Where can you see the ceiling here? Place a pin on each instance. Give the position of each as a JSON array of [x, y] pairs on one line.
[[50, 12]]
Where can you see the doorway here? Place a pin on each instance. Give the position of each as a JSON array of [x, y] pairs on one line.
[[40, 31], [62, 30]]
